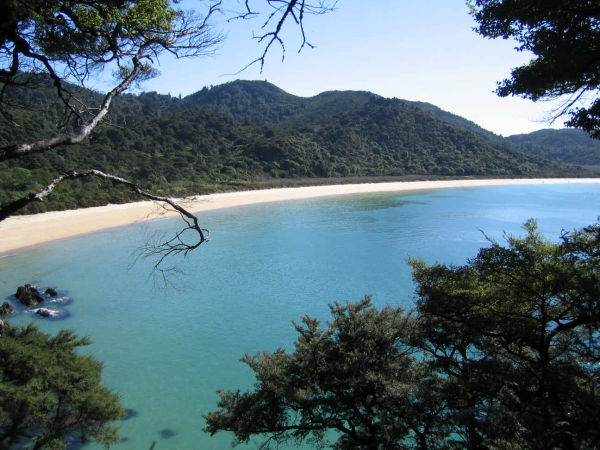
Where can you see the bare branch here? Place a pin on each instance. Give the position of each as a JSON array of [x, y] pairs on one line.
[[16, 151], [178, 244], [282, 11], [247, 14], [134, 50], [566, 105], [187, 35]]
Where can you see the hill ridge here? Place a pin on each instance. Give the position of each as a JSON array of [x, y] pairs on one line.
[[238, 134]]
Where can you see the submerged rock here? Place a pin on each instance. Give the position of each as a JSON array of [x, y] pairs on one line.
[[28, 295], [51, 292], [6, 309], [129, 414], [166, 433]]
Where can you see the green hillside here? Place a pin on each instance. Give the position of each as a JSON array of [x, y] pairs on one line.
[[461, 122], [568, 146], [240, 134]]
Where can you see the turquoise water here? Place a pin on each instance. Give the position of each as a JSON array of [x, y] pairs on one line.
[[167, 352]]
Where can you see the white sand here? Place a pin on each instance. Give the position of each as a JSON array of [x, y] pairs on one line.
[[21, 232]]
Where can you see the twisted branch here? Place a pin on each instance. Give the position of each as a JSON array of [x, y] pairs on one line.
[[163, 249], [43, 145], [282, 10]]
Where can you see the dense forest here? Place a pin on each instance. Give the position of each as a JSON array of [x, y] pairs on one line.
[[248, 134], [570, 146]]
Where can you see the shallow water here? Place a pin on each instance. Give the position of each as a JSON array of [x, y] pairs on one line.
[[167, 352]]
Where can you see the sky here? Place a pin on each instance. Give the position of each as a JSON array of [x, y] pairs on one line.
[[421, 50]]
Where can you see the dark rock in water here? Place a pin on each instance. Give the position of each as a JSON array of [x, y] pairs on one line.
[[44, 312], [29, 295], [49, 313], [51, 292], [6, 309]]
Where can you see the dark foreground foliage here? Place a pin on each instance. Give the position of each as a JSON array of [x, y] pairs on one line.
[[563, 37], [501, 352], [50, 395]]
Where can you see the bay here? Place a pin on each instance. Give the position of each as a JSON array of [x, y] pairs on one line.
[[167, 352]]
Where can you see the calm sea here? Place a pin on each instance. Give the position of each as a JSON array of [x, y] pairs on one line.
[[167, 352]]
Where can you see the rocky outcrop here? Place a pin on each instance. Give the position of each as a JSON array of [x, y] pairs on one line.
[[6, 309], [29, 295], [33, 297]]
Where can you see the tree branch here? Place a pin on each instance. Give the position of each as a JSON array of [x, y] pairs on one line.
[[179, 244], [43, 145], [296, 9]]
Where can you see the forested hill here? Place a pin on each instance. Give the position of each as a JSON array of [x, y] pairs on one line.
[[569, 146], [263, 102], [242, 133], [461, 122]]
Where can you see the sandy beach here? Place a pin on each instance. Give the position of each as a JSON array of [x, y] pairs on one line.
[[22, 232]]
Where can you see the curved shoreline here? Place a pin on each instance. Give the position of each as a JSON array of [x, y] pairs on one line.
[[23, 232]]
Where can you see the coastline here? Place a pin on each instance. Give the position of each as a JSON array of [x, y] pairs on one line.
[[20, 233]]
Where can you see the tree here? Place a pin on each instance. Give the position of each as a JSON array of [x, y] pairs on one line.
[[523, 320], [356, 377], [564, 36], [501, 352], [71, 41], [50, 395]]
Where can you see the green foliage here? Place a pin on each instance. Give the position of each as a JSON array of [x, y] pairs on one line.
[[50, 395], [564, 36], [501, 352], [356, 377], [80, 35], [517, 328], [263, 102], [461, 122], [253, 131], [568, 146]]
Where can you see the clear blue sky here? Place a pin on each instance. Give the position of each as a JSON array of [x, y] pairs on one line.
[[423, 50]]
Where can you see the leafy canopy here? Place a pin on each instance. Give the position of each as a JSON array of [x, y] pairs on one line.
[[356, 377], [51, 395], [516, 331], [501, 352], [69, 39], [564, 37]]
